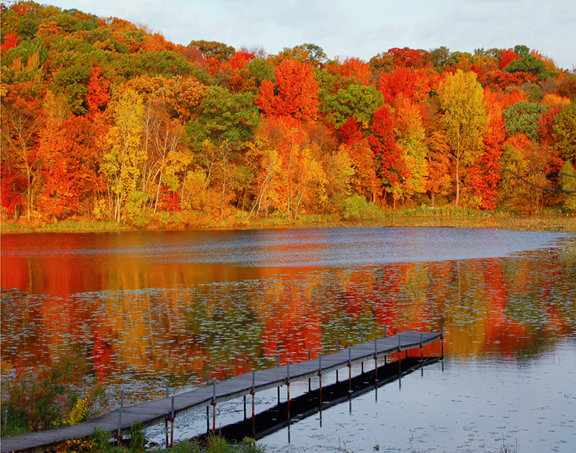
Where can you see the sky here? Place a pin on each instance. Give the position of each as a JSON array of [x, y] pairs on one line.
[[355, 28]]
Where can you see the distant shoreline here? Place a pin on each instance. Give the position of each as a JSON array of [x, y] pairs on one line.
[[542, 222]]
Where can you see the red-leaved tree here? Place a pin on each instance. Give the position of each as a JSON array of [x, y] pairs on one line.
[[294, 94]]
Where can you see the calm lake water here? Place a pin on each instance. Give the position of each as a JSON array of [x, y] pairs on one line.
[[137, 308]]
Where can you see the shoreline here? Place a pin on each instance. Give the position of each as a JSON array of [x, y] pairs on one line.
[[541, 222]]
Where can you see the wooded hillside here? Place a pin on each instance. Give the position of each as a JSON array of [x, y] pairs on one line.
[[102, 119]]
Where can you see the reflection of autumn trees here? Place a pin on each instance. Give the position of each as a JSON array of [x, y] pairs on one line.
[[291, 323], [186, 327]]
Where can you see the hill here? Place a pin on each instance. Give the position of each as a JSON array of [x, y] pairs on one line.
[[104, 120]]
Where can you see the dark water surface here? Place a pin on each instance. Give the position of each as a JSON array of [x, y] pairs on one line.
[[137, 308]]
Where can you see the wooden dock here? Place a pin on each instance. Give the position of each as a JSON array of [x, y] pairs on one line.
[[156, 411]]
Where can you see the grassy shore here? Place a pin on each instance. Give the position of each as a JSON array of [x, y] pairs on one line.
[[440, 218]]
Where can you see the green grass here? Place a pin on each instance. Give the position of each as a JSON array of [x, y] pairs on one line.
[[353, 211], [101, 442]]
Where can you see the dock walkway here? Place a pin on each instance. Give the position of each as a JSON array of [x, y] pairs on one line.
[[152, 412]]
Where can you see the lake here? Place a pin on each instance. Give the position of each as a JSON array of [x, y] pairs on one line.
[[137, 308]]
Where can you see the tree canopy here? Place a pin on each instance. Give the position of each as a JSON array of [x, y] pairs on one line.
[[103, 119]]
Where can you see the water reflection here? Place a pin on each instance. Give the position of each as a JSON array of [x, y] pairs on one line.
[[137, 307]]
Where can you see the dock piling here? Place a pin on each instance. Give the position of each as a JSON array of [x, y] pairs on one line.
[[337, 349], [399, 363], [362, 342], [320, 378], [421, 356], [168, 417], [385, 359], [244, 396], [309, 379], [253, 403], [442, 337], [349, 370], [214, 405], [172, 423], [376, 360], [278, 366], [119, 429], [207, 407], [288, 386]]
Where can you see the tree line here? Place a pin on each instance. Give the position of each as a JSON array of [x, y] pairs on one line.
[[103, 119]]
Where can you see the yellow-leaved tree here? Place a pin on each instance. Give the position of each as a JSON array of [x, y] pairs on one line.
[[464, 119], [124, 159]]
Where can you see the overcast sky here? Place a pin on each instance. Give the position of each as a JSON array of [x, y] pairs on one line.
[[356, 28]]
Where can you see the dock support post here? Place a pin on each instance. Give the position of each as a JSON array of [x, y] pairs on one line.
[[278, 366], [442, 337], [288, 386], [337, 349], [421, 356], [362, 342], [349, 370], [244, 397], [253, 404], [399, 362], [320, 378], [207, 407], [385, 337], [172, 423], [167, 417], [376, 360], [309, 379], [214, 405], [119, 430]]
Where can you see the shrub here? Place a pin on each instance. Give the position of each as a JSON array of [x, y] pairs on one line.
[[357, 208], [49, 398]]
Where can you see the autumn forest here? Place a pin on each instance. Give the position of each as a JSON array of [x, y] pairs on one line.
[[105, 120]]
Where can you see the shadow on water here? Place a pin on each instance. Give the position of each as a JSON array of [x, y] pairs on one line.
[[316, 400]]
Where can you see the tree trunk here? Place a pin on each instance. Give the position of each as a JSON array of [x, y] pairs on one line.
[[457, 182]]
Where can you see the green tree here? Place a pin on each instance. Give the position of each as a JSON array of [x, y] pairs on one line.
[[439, 57], [568, 183], [512, 190], [464, 118], [214, 49], [356, 101], [224, 116], [310, 54], [523, 117], [527, 63], [225, 123], [564, 131], [259, 70], [521, 50]]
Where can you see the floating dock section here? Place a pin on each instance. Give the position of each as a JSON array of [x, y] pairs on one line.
[[165, 410]]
